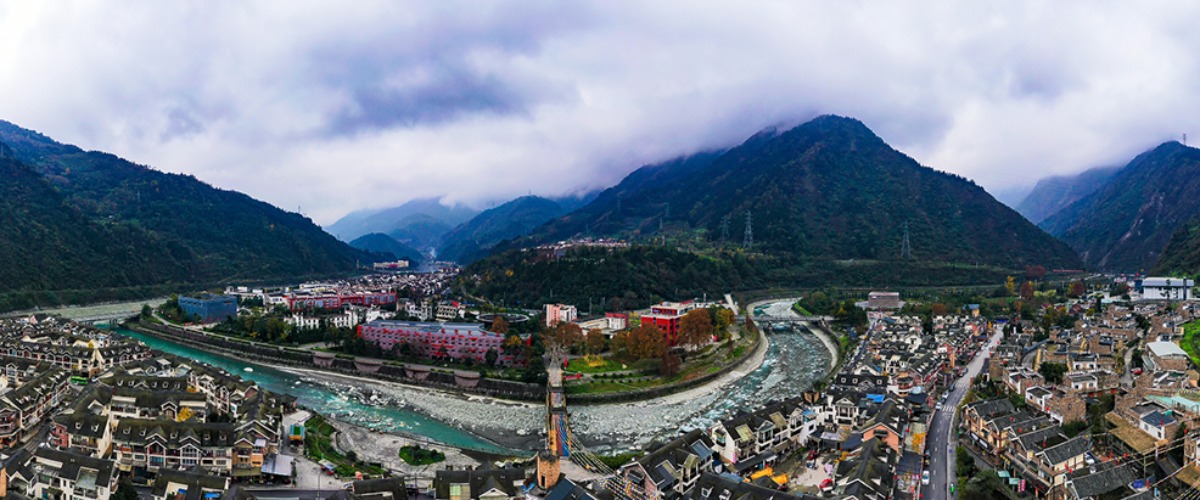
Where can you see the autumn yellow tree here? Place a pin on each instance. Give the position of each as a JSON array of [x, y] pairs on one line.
[[500, 325]]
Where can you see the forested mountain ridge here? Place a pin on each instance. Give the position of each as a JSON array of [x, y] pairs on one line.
[[175, 228], [384, 244], [472, 239], [1126, 224], [1181, 257], [827, 189]]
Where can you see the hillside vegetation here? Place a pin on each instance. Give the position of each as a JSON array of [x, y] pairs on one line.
[[76, 220]]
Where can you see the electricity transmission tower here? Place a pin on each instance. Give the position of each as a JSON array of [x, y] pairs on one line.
[[748, 238], [905, 246], [724, 229]]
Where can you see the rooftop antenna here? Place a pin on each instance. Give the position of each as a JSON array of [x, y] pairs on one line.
[[748, 238], [905, 246]]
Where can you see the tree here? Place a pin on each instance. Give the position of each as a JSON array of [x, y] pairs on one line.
[[1027, 290], [559, 340], [669, 365], [125, 491], [500, 325], [595, 343], [491, 356], [695, 328], [147, 311], [1053, 372], [513, 345], [643, 342], [722, 318], [1035, 273], [1076, 289], [964, 463], [1010, 286], [939, 309]]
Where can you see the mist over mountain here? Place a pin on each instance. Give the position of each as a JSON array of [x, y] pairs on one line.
[[829, 188], [825, 203], [1052, 194], [420, 223], [1126, 224]]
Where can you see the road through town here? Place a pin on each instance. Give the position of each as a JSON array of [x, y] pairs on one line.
[[940, 446]]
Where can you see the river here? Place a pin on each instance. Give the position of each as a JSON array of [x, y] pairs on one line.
[[793, 362]]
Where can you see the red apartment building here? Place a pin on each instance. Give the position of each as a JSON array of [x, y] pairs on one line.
[[666, 317]]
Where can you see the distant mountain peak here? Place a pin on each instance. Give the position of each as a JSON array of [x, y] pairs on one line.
[[828, 189]]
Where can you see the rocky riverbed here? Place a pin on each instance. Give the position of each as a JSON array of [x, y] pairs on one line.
[[792, 363]]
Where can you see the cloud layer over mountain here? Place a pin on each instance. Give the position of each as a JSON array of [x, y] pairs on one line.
[[337, 107]]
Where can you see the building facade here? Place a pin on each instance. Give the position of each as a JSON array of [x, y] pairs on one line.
[[436, 340]]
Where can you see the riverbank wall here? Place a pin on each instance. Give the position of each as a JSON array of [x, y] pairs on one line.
[[422, 376]]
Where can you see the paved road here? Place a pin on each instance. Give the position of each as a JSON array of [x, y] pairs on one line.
[[940, 446], [1127, 376]]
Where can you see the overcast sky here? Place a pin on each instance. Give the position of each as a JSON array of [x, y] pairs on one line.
[[329, 108]]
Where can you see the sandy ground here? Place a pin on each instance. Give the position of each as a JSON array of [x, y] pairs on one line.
[[806, 479]]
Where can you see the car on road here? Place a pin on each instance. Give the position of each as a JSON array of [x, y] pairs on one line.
[[925, 478], [939, 406]]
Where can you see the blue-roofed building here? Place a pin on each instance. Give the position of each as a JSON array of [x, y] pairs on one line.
[[209, 308]]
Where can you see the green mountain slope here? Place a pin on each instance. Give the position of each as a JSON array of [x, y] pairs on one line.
[[1125, 225], [384, 244], [1181, 257], [47, 245], [472, 239], [827, 189], [1054, 193], [210, 235]]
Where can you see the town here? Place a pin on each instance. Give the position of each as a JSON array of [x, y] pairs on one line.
[[1088, 395]]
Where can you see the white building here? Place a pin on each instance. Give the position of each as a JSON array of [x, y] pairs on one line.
[[301, 322], [560, 313], [450, 311], [1167, 288]]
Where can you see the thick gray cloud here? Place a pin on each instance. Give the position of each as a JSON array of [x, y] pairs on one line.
[[369, 104]]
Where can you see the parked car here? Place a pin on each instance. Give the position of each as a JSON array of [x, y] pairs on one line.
[[925, 478]]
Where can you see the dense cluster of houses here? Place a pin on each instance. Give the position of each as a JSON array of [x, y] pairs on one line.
[[873, 416], [1038, 435], [122, 408]]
